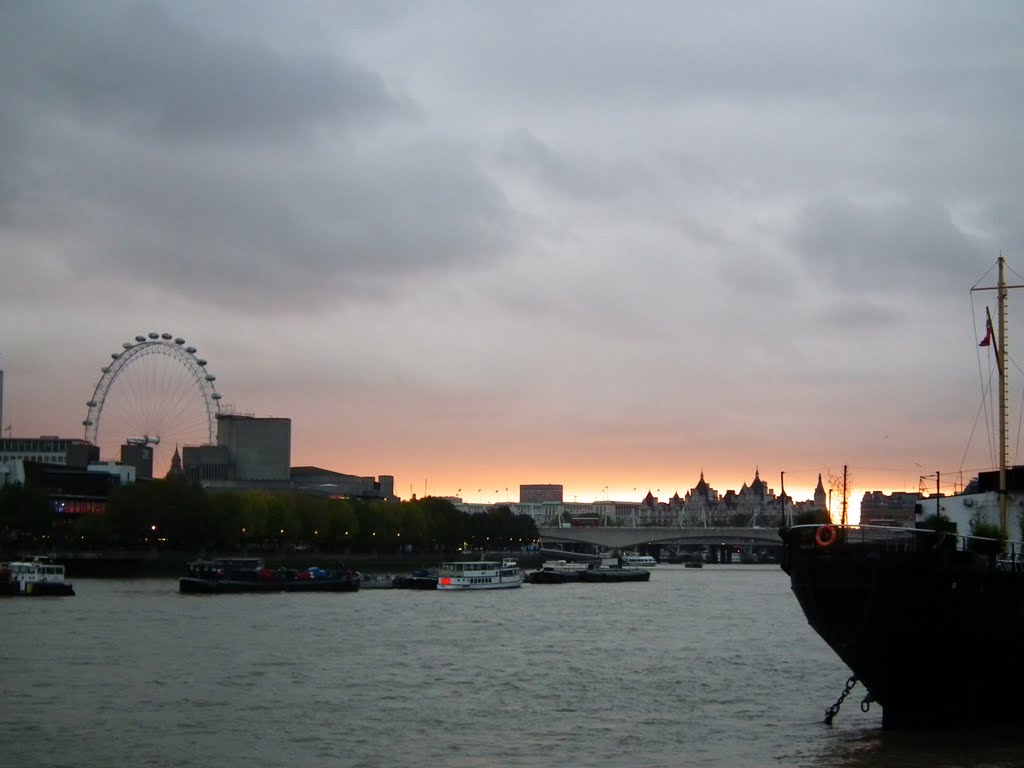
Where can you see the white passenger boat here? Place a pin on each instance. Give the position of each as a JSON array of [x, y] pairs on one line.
[[479, 574], [38, 577], [639, 561]]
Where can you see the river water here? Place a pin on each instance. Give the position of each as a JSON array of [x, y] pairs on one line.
[[697, 667]]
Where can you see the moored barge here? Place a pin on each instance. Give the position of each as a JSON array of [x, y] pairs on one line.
[[240, 575]]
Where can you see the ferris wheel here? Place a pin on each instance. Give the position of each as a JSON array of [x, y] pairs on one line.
[[156, 391]]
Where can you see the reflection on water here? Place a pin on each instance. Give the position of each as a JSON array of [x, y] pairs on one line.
[[992, 748], [710, 667]]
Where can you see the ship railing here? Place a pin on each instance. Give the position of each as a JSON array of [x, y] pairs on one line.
[[1008, 554]]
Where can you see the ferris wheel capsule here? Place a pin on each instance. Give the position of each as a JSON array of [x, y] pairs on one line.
[[190, 350], [165, 336], [154, 335], [200, 361], [140, 338], [179, 341], [127, 345]]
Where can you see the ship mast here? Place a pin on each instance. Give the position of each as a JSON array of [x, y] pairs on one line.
[[1000, 353], [1001, 365]]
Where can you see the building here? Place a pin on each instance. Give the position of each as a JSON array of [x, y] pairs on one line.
[[125, 473], [755, 504], [12, 472], [205, 463], [255, 453], [50, 449], [897, 508], [542, 512], [323, 482], [260, 449], [540, 494], [140, 456], [73, 491], [700, 505]]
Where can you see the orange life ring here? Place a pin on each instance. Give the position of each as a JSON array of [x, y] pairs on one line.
[[826, 536]]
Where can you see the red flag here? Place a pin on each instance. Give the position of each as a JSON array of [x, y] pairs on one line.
[[988, 333]]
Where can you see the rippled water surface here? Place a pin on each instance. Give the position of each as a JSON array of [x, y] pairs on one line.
[[708, 667]]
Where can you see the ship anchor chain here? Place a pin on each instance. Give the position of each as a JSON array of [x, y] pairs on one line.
[[865, 705], [832, 711]]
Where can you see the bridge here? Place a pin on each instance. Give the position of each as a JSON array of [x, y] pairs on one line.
[[613, 537]]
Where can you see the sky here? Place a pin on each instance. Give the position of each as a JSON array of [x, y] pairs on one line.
[[477, 245]]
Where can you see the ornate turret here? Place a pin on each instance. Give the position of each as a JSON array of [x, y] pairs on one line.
[[758, 487], [702, 488], [176, 469], [819, 495]]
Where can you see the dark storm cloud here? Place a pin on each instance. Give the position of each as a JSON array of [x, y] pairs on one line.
[[222, 168], [138, 69], [880, 248], [275, 234]]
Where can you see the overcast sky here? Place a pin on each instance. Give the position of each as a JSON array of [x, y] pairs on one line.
[[479, 244]]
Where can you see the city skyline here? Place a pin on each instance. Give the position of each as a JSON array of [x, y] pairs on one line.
[[482, 245]]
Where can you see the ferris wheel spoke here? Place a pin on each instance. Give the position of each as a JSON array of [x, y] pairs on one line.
[[157, 388]]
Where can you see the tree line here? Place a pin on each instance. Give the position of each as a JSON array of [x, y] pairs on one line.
[[175, 514]]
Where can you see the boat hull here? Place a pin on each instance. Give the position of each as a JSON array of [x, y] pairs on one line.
[[935, 634], [49, 589], [552, 577], [198, 586], [415, 582], [37, 589], [462, 587], [377, 582], [615, 574]]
